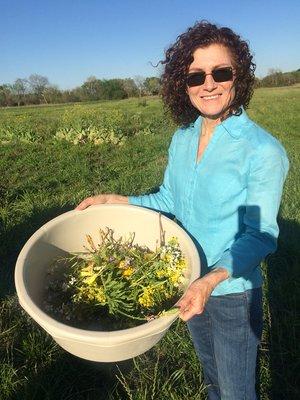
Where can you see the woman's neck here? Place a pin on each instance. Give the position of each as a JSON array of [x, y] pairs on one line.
[[208, 126]]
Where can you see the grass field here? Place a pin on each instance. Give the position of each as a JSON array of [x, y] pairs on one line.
[[44, 174]]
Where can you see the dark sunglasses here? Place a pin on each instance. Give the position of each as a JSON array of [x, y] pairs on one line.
[[224, 74]]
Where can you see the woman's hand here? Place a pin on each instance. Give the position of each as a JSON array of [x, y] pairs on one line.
[[102, 199], [194, 300]]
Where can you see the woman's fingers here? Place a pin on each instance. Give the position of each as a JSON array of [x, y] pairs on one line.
[[89, 201], [191, 311], [194, 305], [102, 199], [194, 300]]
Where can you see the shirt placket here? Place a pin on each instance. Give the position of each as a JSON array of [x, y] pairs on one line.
[[197, 170]]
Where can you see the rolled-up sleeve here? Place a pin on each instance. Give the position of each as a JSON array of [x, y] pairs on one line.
[[266, 177], [163, 199]]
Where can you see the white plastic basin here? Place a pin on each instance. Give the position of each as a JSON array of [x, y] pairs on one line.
[[65, 234]]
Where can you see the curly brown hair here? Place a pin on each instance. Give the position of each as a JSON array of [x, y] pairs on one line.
[[179, 56]]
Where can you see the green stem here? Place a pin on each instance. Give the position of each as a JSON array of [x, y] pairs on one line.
[[130, 316]]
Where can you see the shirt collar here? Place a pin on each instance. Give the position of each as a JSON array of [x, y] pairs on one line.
[[233, 125]]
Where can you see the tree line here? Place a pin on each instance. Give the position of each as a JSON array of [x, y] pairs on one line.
[[37, 89], [275, 77]]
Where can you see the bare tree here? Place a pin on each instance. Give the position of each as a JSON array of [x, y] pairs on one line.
[[5, 95], [52, 94], [130, 87], [93, 88], [38, 84], [152, 85], [19, 89], [139, 81]]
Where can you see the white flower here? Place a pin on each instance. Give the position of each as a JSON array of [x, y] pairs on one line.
[[72, 281]]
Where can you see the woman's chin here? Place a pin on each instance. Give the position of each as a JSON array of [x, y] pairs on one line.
[[213, 114]]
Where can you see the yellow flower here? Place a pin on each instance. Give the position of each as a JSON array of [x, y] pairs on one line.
[[91, 293], [100, 296], [173, 241], [182, 263], [167, 257], [146, 299], [169, 271], [174, 277], [160, 273], [122, 264], [128, 271], [88, 270], [149, 255], [90, 279]]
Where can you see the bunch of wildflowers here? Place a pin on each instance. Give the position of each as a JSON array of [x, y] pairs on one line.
[[117, 281]]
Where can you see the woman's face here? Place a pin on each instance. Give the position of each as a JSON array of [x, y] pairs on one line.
[[211, 98]]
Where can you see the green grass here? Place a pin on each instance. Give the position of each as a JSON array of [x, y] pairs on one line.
[[40, 179]]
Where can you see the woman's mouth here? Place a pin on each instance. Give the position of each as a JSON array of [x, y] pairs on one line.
[[211, 97]]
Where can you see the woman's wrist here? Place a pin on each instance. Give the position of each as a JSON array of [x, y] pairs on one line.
[[216, 276]]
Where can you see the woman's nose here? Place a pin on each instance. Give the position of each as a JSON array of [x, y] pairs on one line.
[[209, 83]]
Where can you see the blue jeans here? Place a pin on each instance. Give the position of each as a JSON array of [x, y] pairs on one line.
[[226, 336]]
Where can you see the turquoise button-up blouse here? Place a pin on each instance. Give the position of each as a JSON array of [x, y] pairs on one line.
[[228, 201]]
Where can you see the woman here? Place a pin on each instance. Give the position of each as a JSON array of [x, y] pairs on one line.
[[223, 183]]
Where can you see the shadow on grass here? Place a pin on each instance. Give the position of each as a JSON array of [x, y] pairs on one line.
[[13, 240], [71, 378], [44, 370], [283, 296]]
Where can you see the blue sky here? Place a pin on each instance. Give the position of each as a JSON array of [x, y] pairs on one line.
[[69, 40]]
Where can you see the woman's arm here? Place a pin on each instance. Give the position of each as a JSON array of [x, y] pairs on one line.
[[265, 184]]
